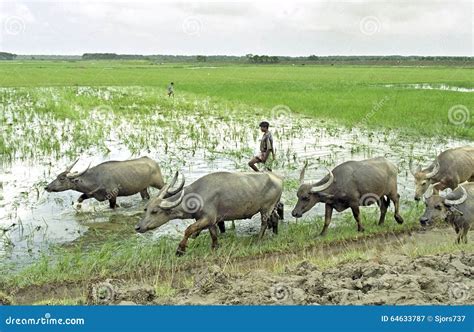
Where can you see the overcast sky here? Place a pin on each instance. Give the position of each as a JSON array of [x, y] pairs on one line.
[[368, 27]]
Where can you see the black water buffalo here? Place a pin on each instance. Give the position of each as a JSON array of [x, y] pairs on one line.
[[111, 179], [448, 170], [215, 198], [350, 185], [456, 208]]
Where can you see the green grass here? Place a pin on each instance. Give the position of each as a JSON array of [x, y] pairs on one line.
[[344, 93], [138, 258]]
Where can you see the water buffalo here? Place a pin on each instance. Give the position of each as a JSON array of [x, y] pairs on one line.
[[457, 208], [448, 170], [212, 199], [111, 179], [350, 185]]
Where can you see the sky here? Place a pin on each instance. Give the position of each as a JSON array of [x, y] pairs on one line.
[[367, 27]]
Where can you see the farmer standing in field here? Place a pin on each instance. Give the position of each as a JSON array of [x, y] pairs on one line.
[[171, 90], [266, 147]]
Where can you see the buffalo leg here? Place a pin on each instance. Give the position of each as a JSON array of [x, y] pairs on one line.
[[327, 219], [383, 204], [144, 194], [264, 224], [459, 235], [221, 226], [198, 226], [213, 232], [113, 202], [356, 214], [395, 198], [81, 198], [464, 233], [195, 235]]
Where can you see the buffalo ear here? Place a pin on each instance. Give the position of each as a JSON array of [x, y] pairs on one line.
[[76, 180], [455, 211]]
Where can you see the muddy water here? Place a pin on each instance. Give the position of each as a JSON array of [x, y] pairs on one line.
[[195, 136]]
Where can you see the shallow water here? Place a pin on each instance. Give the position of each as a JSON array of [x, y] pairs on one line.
[[195, 136], [426, 86]]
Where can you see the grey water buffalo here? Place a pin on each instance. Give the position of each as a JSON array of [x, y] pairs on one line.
[[448, 170], [350, 185], [110, 179], [212, 199], [456, 208]]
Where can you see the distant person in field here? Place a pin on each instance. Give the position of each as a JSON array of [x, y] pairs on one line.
[[171, 90], [266, 148]]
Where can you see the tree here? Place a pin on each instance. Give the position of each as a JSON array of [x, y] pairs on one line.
[[201, 58], [7, 56]]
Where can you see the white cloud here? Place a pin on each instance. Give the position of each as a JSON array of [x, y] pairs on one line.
[[270, 27]]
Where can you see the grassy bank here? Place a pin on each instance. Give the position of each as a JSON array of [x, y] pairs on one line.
[[349, 94], [137, 257]]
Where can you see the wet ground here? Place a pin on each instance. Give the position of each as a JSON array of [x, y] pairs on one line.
[[194, 136], [426, 86]]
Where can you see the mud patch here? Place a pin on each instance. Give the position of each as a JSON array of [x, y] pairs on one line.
[[397, 279], [4, 299], [114, 291]]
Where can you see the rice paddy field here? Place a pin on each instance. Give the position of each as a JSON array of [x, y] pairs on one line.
[[54, 112]]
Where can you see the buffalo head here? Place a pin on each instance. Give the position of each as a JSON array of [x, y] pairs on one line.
[[162, 208], [439, 208], [422, 179], [310, 194], [66, 180]]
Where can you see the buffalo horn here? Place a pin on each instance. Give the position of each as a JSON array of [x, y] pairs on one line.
[[303, 172], [173, 182], [458, 201], [166, 204], [324, 186], [76, 174], [434, 171]]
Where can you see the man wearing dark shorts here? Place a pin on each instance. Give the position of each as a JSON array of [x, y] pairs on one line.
[[171, 90], [266, 147]]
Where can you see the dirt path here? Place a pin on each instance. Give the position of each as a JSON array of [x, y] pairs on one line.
[[388, 275], [377, 270], [438, 279]]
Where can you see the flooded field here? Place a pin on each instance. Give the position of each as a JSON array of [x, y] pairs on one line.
[[426, 86], [45, 129]]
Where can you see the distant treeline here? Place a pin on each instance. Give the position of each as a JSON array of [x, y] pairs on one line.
[[257, 59], [113, 56], [7, 56]]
